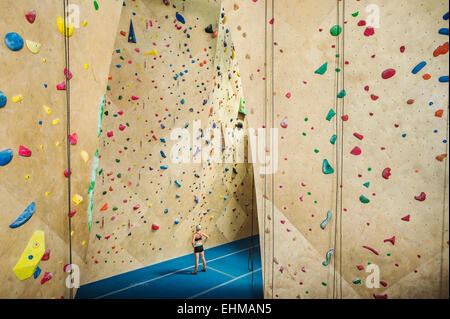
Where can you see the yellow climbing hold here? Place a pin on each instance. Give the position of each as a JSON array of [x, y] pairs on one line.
[[58, 143], [153, 52], [84, 23], [47, 109], [86, 66], [27, 176], [71, 233], [69, 27], [34, 47], [85, 156], [17, 98], [44, 60], [47, 193], [31, 256], [77, 199], [83, 242], [55, 121], [233, 54]]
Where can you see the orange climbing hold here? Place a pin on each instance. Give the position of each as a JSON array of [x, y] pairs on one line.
[[441, 157], [439, 113], [440, 50], [426, 76], [104, 207]]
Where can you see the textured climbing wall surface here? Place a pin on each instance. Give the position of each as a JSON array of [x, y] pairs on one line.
[[34, 120], [166, 73], [385, 180]]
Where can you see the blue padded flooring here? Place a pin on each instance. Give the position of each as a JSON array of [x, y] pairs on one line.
[[228, 275]]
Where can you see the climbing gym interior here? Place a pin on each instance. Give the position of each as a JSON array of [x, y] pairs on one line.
[[299, 146]]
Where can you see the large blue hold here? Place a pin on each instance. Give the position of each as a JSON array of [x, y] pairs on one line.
[[418, 67], [445, 17], [3, 99], [13, 41], [180, 18], [443, 79], [443, 31], [25, 216], [6, 156]]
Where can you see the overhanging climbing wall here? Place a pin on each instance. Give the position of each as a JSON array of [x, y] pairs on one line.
[[370, 132], [34, 130], [171, 66]]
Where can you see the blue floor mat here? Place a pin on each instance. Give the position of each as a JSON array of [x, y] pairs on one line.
[[229, 275]]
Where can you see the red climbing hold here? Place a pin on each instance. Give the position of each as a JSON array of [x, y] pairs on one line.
[[374, 97], [46, 255], [356, 151], [110, 133], [380, 296], [406, 218], [47, 277], [386, 173], [66, 173], [72, 213], [402, 49], [23, 151], [421, 197], [61, 86], [371, 249], [358, 136], [73, 139], [288, 95], [155, 227], [391, 240], [388, 73], [122, 127], [369, 31], [31, 16], [361, 23]]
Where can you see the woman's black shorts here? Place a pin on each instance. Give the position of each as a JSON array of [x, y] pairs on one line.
[[198, 249]]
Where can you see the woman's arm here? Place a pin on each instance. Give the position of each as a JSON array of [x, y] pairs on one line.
[[193, 240], [206, 237]]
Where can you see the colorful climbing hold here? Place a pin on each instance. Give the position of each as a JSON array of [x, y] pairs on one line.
[[24, 216], [6, 157], [327, 220], [326, 167], [13, 41]]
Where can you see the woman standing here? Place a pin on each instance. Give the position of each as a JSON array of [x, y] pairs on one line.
[[198, 247]]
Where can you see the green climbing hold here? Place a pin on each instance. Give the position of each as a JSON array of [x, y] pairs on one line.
[[333, 139], [326, 167], [355, 14], [367, 184], [316, 151], [335, 30], [95, 5], [322, 69], [363, 199], [324, 284], [341, 94], [242, 108], [331, 114], [357, 281], [338, 70]]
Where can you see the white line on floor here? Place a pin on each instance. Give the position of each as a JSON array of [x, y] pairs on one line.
[[223, 284], [209, 267], [171, 273]]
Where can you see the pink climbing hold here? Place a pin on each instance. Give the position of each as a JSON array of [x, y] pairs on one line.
[[356, 151], [73, 138], [288, 95], [406, 218], [72, 213], [66, 268], [284, 123], [122, 127], [369, 31], [386, 173], [23, 151], [47, 277], [69, 75], [46, 255], [360, 267], [110, 134], [391, 240], [358, 136], [361, 23], [136, 207], [134, 98], [155, 227], [388, 73], [421, 197], [61, 86]]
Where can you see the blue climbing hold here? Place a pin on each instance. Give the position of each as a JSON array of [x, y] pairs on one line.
[[37, 272], [131, 35], [180, 18], [3, 99], [443, 79], [418, 67], [443, 31], [445, 17], [24, 216], [6, 156], [13, 41]]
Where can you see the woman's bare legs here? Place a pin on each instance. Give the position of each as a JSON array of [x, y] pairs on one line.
[[196, 263], [203, 260]]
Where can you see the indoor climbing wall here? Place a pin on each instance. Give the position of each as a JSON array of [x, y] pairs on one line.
[[361, 89], [173, 79], [34, 237]]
